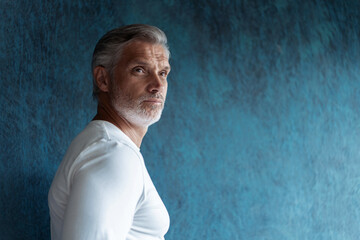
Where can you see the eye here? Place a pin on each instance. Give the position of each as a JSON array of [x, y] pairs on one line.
[[163, 73], [138, 70]]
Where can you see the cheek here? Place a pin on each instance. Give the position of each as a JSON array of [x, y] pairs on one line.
[[165, 90]]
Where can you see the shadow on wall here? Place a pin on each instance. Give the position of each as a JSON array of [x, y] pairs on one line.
[[26, 214]]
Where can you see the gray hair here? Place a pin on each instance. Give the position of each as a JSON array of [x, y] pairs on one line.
[[108, 50]]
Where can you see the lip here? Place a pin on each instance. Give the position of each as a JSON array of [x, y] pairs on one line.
[[154, 100]]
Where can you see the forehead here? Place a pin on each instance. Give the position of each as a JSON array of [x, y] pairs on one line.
[[144, 51]]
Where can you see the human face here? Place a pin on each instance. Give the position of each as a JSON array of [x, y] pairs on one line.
[[139, 83]]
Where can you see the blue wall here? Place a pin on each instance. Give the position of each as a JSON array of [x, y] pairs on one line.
[[260, 135]]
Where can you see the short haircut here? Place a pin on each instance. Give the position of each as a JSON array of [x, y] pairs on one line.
[[108, 50]]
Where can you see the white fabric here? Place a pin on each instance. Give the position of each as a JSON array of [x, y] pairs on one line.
[[102, 190]]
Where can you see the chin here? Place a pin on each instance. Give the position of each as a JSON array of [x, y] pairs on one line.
[[151, 121], [145, 120]]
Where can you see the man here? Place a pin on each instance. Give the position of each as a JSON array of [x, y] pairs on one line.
[[102, 189]]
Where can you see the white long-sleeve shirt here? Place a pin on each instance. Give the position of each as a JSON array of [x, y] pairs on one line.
[[102, 190]]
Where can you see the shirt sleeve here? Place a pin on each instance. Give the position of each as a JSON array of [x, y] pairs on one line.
[[104, 194]]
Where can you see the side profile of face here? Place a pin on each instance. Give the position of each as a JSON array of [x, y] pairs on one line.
[[139, 83]]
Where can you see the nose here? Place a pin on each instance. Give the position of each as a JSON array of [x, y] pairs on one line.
[[156, 83]]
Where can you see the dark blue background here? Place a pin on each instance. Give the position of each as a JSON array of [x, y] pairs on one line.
[[260, 135]]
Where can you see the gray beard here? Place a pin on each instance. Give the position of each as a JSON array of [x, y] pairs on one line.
[[134, 111]]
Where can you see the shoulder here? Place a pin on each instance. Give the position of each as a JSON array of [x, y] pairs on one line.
[[101, 148], [108, 148], [110, 165], [111, 155]]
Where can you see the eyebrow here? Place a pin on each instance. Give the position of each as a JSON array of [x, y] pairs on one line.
[[168, 68]]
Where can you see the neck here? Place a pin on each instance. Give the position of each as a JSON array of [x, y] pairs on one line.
[[106, 112]]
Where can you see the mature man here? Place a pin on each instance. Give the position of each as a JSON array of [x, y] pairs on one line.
[[102, 189]]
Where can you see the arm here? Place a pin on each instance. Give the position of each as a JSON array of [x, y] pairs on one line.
[[104, 195]]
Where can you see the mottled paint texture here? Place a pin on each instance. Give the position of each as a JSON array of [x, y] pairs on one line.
[[260, 135]]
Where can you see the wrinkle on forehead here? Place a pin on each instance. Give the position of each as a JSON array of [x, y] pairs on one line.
[[146, 49], [140, 51]]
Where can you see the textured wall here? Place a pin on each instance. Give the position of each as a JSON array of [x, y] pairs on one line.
[[260, 135]]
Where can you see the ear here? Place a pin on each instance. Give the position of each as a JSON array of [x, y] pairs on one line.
[[102, 78]]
